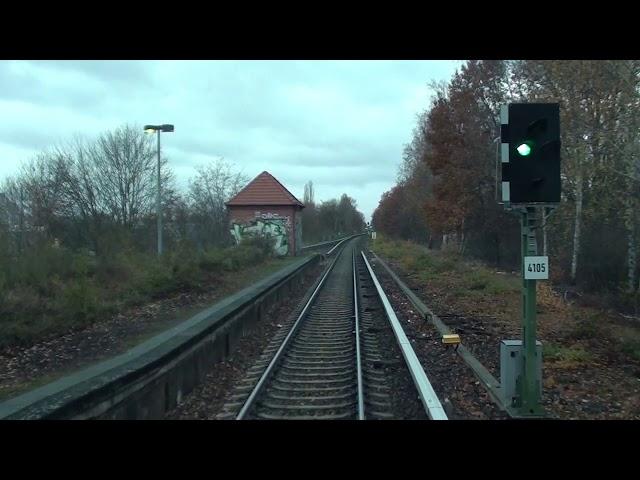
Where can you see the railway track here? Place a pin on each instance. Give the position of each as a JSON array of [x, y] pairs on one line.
[[326, 362]]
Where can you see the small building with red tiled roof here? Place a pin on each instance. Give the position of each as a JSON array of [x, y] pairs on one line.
[[266, 207]]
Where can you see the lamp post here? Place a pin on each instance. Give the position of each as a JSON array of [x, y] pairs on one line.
[[151, 129]]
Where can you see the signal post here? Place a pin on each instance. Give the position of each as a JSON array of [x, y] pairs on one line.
[[530, 159]]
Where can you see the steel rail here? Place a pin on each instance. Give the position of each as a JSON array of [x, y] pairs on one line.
[[344, 240], [321, 244], [337, 241], [276, 358], [427, 394], [356, 310], [337, 245]]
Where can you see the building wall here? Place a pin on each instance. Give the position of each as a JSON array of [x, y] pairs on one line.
[[273, 219]]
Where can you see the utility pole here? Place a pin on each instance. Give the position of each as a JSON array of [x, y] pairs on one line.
[[158, 203], [158, 129]]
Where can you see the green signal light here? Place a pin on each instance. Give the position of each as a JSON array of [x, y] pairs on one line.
[[524, 149]]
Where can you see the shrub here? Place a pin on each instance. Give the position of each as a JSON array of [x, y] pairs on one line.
[[50, 288], [265, 244], [36, 267], [631, 346], [82, 265], [446, 264], [186, 274], [23, 316], [625, 300], [212, 260], [482, 279], [477, 280], [117, 269], [79, 302], [586, 328], [157, 278], [423, 262]]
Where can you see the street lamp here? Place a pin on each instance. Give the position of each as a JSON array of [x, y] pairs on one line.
[[151, 129]]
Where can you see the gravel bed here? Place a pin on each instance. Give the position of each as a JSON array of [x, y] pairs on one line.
[[458, 389], [404, 400]]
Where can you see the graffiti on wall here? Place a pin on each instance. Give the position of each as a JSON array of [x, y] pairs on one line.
[[274, 226], [298, 233], [273, 216]]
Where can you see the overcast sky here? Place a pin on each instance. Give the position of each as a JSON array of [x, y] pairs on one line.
[[341, 124]]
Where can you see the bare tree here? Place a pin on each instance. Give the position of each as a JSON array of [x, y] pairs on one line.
[[13, 207], [124, 163], [82, 199], [308, 193], [37, 194], [213, 185]]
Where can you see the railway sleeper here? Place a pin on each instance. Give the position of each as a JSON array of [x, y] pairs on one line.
[[376, 380], [306, 356], [313, 382], [380, 396], [302, 347], [310, 401], [381, 405], [379, 415], [237, 397], [226, 416], [316, 340], [345, 374], [234, 405], [321, 362], [298, 398], [311, 389], [326, 368], [330, 316], [340, 416], [284, 406], [336, 331]]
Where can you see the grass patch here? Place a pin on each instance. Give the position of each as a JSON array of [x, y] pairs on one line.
[[565, 355], [416, 259], [464, 292], [447, 263], [483, 279], [442, 267], [471, 280], [477, 280]]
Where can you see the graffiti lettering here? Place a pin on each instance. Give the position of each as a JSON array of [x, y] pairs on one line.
[[273, 227], [273, 216]]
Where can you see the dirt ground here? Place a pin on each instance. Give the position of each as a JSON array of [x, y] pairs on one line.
[[586, 375]]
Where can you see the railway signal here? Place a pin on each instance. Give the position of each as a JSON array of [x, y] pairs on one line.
[[530, 153], [530, 159]]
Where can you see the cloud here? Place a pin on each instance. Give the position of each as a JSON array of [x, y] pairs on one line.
[[341, 124]]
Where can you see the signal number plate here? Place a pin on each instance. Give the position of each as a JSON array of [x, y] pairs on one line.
[[536, 268]]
